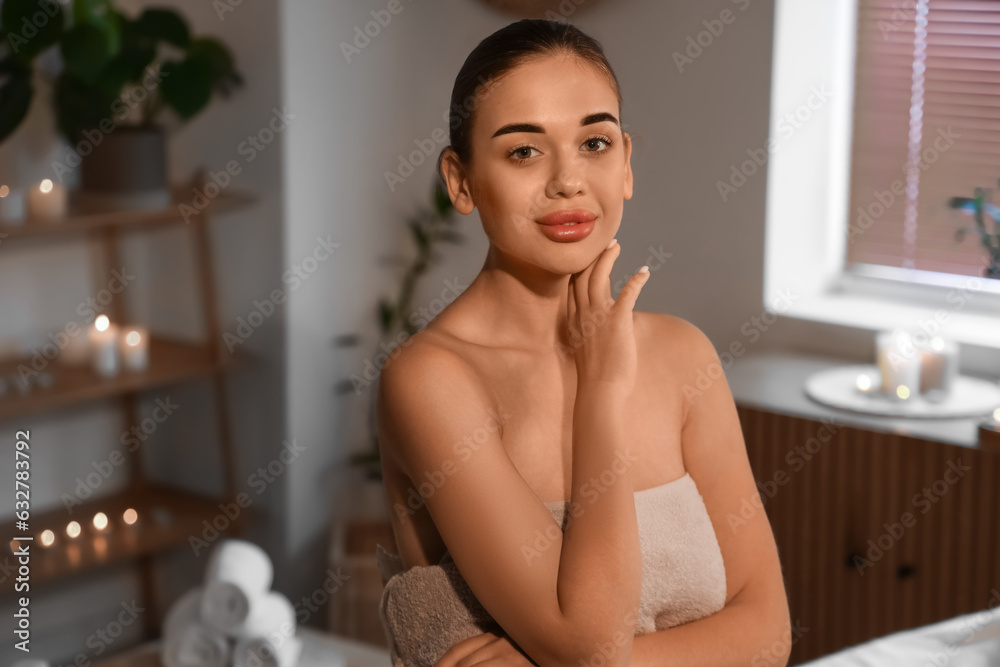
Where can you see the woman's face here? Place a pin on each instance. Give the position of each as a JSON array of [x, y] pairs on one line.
[[546, 138]]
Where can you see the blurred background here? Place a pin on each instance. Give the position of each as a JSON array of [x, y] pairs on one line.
[[254, 219]]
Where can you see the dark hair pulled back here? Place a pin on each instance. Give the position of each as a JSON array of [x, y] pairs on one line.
[[500, 53]]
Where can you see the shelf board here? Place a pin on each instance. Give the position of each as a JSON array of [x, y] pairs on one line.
[[170, 361], [167, 519], [78, 220]]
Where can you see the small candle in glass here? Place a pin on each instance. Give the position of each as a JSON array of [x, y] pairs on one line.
[[104, 346], [135, 349], [938, 367], [48, 201], [899, 361]]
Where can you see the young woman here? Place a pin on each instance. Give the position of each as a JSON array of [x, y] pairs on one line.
[[578, 465]]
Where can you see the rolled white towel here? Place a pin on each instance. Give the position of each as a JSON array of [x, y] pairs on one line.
[[186, 609], [272, 614], [264, 652], [237, 574], [195, 645]]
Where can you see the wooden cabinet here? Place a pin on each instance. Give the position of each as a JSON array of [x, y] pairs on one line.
[[877, 532]]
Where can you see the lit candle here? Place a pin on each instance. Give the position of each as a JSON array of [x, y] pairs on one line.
[[899, 362], [104, 346], [938, 368], [73, 529], [100, 521], [864, 383], [48, 201], [130, 516], [11, 205], [47, 538], [135, 349]]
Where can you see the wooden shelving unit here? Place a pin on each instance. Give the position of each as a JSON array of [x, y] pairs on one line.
[[168, 517]]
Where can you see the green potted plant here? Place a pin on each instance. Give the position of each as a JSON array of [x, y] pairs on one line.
[[118, 75], [428, 227], [980, 207]]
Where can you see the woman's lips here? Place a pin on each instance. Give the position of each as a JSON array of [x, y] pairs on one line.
[[568, 225]]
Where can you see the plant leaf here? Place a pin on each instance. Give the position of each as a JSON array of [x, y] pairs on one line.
[[219, 61], [15, 99], [186, 86], [442, 202], [166, 25], [17, 21], [86, 50], [386, 314], [79, 106], [419, 235]]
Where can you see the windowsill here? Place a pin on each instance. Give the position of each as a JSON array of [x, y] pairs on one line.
[[879, 314], [775, 381]]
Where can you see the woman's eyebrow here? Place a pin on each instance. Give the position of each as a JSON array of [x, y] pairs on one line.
[[530, 127]]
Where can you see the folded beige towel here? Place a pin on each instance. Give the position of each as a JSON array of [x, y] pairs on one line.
[[428, 609]]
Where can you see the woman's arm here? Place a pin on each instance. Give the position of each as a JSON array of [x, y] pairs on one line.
[[753, 628]]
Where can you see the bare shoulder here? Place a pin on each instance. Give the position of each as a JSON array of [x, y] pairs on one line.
[[423, 377], [677, 347]]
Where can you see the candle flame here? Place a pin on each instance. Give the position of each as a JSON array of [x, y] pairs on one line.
[[100, 521], [4, 191], [937, 343], [864, 382], [903, 391], [130, 516], [46, 186], [133, 337], [73, 529], [102, 323], [996, 415], [47, 537]]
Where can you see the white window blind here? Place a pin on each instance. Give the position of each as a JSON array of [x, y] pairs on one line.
[[926, 129]]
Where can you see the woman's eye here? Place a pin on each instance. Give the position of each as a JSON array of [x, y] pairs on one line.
[[522, 152], [590, 143]]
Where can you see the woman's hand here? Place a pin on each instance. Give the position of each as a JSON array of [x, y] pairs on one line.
[[484, 649], [600, 328]]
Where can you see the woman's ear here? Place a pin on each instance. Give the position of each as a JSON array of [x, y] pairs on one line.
[[457, 179], [627, 144]]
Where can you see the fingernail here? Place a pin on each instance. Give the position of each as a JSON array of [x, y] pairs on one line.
[[613, 241], [644, 269]]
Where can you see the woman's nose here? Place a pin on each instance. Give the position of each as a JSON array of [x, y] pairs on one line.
[[567, 178]]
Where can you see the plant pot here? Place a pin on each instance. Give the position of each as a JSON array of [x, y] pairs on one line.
[[127, 169]]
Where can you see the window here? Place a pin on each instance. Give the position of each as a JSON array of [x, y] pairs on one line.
[[812, 184], [926, 128]]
